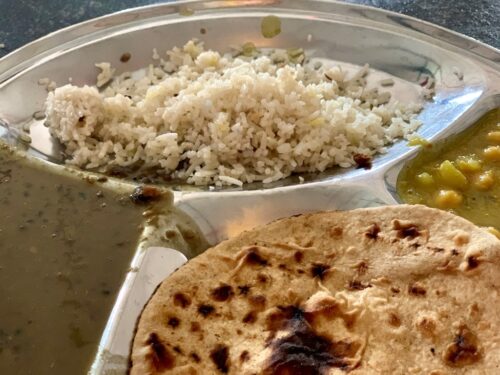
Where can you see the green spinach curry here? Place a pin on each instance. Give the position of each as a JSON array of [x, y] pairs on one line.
[[66, 243]]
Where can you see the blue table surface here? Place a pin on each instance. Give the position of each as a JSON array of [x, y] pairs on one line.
[[22, 21]]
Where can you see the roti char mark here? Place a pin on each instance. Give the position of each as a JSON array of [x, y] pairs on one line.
[[250, 317], [244, 289], [222, 293], [303, 351], [427, 325], [298, 256], [464, 350], [406, 229], [159, 356], [417, 289], [205, 310], [357, 285], [220, 357], [244, 356], [258, 302], [472, 262], [319, 270], [372, 231], [395, 289], [195, 357], [261, 278], [336, 232], [181, 300], [282, 266], [254, 257], [195, 327], [173, 322], [177, 349], [394, 320], [361, 268]]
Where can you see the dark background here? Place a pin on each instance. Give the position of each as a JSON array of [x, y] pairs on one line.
[[22, 21]]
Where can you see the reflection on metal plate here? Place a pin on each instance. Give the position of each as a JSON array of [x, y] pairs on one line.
[[224, 215], [351, 35]]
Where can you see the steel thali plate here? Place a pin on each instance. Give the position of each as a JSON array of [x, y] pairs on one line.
[[352, 35]]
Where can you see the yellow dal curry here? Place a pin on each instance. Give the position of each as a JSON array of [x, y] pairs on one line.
[[461, 174]]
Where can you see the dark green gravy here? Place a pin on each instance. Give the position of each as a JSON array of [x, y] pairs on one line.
[[65, 246]]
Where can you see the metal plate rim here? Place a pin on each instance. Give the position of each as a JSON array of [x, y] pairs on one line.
[[16, 59]]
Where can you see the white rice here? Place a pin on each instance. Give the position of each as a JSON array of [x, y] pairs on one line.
[[223, 120], [47, 83], [105, 75]]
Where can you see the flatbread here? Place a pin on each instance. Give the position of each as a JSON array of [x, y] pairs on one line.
[[387, 290]]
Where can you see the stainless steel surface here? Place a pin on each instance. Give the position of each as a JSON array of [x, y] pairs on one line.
[[149, 267], [400, 46]]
